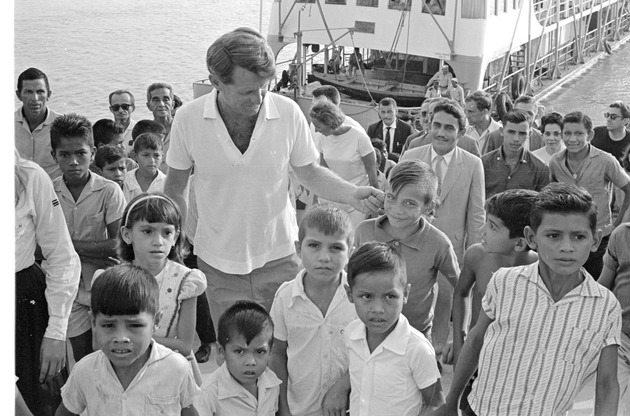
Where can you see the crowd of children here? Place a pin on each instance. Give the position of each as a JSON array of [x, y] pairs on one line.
[[353, 331]]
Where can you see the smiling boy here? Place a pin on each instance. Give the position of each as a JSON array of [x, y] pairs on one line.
[[511, 166], [544, 327], [583, 165]]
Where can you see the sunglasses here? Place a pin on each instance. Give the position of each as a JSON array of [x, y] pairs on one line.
[[613, 117], [117, 107]]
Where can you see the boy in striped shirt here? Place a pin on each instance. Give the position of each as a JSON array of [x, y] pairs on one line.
[[545, 327]]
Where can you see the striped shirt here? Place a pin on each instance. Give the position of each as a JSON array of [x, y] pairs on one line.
[[537, 352]]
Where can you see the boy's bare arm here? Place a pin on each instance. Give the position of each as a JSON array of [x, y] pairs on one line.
[[189, 411], [335, 402], [279, 366], [607, 385], [62, 411], [432, 398], [468, 362], [102, 249], [461, 294]]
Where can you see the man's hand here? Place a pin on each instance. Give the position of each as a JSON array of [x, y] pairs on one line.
[[52, 358], [368, 200]]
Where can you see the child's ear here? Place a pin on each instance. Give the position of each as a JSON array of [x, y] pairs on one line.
[[349, 293], [125, 234], [530, 237], [597, 239], [298, 247], [406, 293], [92, 320], [220, 353], [98, 170], [93, 153], [156, 320], [520, 244]]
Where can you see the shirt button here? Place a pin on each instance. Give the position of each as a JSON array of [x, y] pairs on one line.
[[396, 243]]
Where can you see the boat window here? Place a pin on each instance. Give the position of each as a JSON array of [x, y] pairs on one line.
[[399, 4], [305, 1], [474, 9], [367, 3], [364, 27], [437, 7], [335, 1]]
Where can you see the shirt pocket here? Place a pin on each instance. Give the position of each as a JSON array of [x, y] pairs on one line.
[[581, 345], [163, 406], [95, 227]]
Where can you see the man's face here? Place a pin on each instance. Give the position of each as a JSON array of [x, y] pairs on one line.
[[121, 107], [614, 119], [244, 95], [444, 70], [160, 103], [388, 113], [445, 132], [473, 114], [34, 96]]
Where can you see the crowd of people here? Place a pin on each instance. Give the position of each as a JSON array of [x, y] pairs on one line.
[[332, 268]]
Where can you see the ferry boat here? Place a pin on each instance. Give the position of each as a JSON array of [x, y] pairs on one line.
[[511, 46]]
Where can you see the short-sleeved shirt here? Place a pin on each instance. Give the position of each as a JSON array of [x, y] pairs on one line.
[[163, 386], [617, 259], [537, 353], [245, 214], [601, 140], [35, 145], [132, 188], [598, 171], [529, 173], [316, 352], [343, 154], [388, 381], [426, 252], [222, 395], [482, 139], [101, 203]]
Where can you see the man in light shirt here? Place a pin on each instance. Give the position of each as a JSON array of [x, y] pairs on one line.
[[477, 108]]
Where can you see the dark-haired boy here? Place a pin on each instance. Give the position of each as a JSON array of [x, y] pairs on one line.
[[512, 166], [129, 373], [502, 244], [544, 327], [109, 132], [583, 165], [243, 384], [93, 207], [147, 177], [110, 162]]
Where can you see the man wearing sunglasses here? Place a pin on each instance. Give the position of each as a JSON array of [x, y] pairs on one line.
[[614, 137], [122, 104]]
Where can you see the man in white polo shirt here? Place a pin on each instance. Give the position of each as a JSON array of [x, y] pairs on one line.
[[241, 140]]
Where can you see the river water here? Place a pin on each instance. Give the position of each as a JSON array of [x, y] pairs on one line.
[[89, 48]]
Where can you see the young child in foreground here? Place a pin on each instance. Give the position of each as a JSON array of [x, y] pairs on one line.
[[242, 385], [311, 311], [616, 277], [544, 327], [130, 373], [392, 366], [412, 193]]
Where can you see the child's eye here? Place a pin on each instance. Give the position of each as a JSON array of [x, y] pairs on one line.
[[313, 245], [552, 236], [262, 351], [580, 237], [410, 203], [366, 297], [107, 325], [390, 197], [389, 296]]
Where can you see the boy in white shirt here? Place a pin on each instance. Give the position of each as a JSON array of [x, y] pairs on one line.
[[147, 177], [243, 385], [391, 364], [311, 311]]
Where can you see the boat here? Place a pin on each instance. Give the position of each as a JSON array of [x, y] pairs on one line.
[[499, 46]]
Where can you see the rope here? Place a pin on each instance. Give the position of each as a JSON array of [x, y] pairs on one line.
[[360, 69]]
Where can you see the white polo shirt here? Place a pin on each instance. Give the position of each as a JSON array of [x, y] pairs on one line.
[[245, 214]]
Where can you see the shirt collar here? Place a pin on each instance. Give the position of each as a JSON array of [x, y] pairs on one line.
[[447, 157], [588, 288], [229, 387], [415, 240], [524, 155], [299, 292], [396, 341], [392, 127], [95, 183], [50, 116]]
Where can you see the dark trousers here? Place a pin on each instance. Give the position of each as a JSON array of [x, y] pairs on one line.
[[204, 327]]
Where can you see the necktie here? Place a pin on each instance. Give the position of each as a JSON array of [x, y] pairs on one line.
[[439, 160], [388, 140]]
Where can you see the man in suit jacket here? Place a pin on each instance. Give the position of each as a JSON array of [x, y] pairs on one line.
[[390, 126], [462, 195]]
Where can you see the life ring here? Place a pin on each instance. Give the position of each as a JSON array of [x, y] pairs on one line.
[[607, 47], [518, 86], [502, 104]]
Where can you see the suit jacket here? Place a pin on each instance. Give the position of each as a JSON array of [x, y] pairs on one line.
[[403, 130], [465, 142], [461, 213]]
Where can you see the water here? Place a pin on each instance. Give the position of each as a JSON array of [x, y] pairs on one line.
[[89, 48]]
